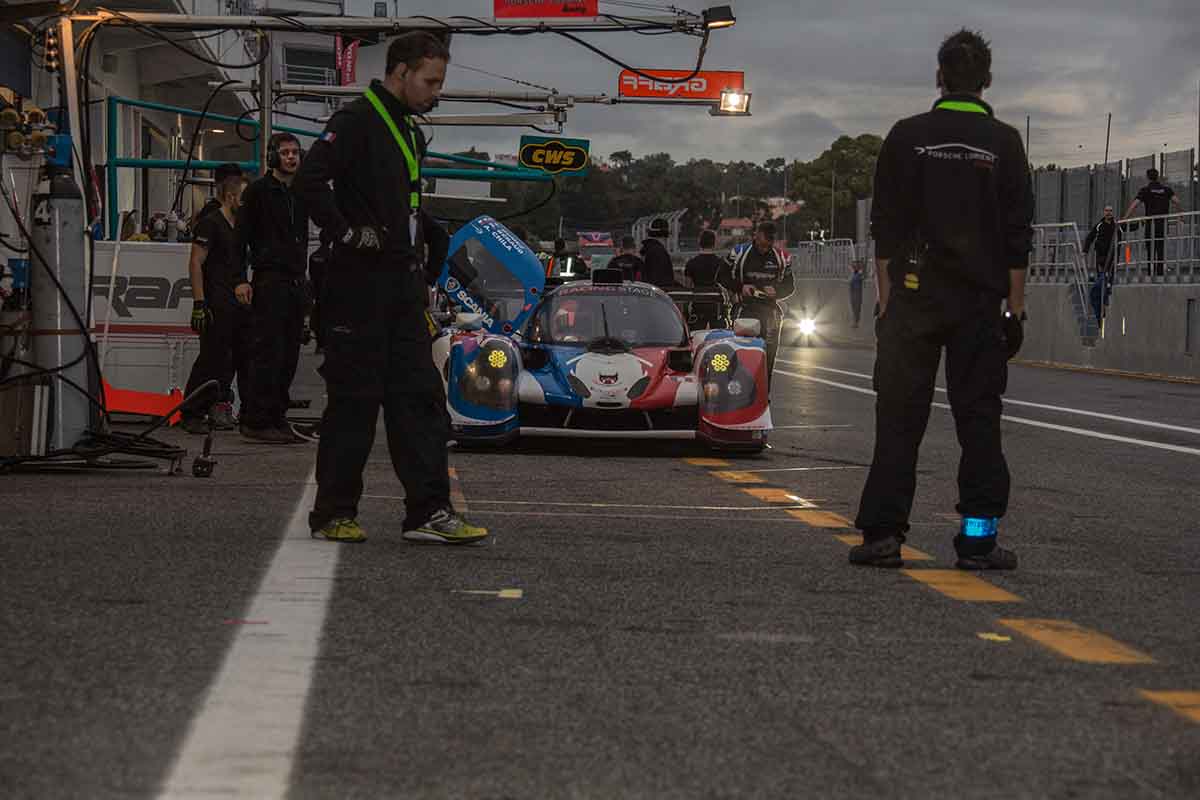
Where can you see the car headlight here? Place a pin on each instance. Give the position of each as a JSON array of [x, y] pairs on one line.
[[808, 326]]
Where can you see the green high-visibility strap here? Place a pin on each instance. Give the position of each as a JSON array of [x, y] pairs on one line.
[[414, 166], [962, 105]]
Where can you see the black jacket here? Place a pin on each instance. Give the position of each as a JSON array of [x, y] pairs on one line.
[[752, 268], [370, 178], [659, 269], [272, 228], [1102, 235], [953, 197], [630, 265]]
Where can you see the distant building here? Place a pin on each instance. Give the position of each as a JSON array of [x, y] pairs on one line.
[[735, 228]]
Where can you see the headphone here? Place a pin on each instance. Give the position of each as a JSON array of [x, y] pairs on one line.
[[273, 159]]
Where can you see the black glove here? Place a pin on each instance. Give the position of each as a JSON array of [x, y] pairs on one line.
[[202, 316], [362, 238], [1014, 332]]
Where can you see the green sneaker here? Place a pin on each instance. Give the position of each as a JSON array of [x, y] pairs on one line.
[[341, 530], [446, 527]]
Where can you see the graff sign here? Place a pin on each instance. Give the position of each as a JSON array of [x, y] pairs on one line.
[[706, 85]]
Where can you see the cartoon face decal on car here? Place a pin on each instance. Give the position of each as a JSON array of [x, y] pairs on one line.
[[610, 380]]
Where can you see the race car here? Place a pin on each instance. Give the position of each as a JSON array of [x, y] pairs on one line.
[[601, 358]]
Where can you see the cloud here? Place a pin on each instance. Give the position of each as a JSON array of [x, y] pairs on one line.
[[826, 67]]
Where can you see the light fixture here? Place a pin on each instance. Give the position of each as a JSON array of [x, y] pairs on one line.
[[734, 102], [719, 17], [217, 130]]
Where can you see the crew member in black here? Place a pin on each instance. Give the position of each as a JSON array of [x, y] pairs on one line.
[[220, 312], [214, 203], [659, 269], [759, 278], [627, 260], [273, 229], [700, 273], [1157, 200], [377, 330], [952, 222], [1106, 235]]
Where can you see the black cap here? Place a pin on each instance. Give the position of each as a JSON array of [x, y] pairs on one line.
[[660, 228]]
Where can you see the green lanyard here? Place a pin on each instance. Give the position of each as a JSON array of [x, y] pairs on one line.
[[414, 166]]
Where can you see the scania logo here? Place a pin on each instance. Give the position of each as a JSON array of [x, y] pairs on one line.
[[470, 303], [452, 285]]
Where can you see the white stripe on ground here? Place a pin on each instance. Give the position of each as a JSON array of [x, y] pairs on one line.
[[243, 740], [1008, 400], [1174, 448], [615, 505]]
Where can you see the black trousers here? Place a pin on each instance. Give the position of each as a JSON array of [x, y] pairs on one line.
[[911, 337], [378, 355], [224, 355], [279, 306], [1156, 232], [770, 318], [856, 298]]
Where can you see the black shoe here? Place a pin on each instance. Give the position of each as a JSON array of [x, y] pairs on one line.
[[269, 435], [197, 426], [877, 553], [997, 559]]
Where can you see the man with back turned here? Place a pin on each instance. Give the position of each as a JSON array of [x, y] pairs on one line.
[[952, 222]]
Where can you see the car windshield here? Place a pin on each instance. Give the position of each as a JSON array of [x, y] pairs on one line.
[[488, 280], [637, 316]]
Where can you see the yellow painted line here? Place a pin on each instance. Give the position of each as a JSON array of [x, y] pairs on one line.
[[739, 477], [822, 519], [708, 462], [1184, 703], [1070, 640], [501, 594], [769, 495], [959, 585], [906, 552], [994, 637]]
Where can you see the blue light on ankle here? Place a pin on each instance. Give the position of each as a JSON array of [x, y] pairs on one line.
[[979, 527]]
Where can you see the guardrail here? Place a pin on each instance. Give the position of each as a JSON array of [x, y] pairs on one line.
[[1162, 250]]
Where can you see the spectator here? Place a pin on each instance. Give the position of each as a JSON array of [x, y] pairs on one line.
[[856, 291], [220, 311], [700, 273], [273, 233], [1106, 235], [1157, 201], [632, 267], [660, 270]]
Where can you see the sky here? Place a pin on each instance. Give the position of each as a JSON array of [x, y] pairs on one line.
[[822, 68]]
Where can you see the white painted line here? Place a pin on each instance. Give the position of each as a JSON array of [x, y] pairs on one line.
[[607, 505], [795, 469], [501, 594], [484, 512], [1174, 448], [1008, 400], [809, 427], [243, 740]]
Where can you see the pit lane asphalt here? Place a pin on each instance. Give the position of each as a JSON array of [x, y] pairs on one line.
[[664, 645]]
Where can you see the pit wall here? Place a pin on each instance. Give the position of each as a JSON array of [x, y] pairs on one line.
[[1147, 331]]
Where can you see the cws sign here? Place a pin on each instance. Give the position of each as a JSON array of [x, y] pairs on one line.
[[529, 9], [555, 154], [706, 85]]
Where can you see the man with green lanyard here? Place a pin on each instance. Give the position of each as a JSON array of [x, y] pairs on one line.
[[952, 222], [375, 328]]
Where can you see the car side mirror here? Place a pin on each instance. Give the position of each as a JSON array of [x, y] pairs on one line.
[[468, 322], [748, 327], [680, 360]]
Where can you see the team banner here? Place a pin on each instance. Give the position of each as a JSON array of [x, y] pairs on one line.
[[531, 9], [555, 154], [706, 85]]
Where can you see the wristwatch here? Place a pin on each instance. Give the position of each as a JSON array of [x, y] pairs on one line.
[[1022, 318]]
